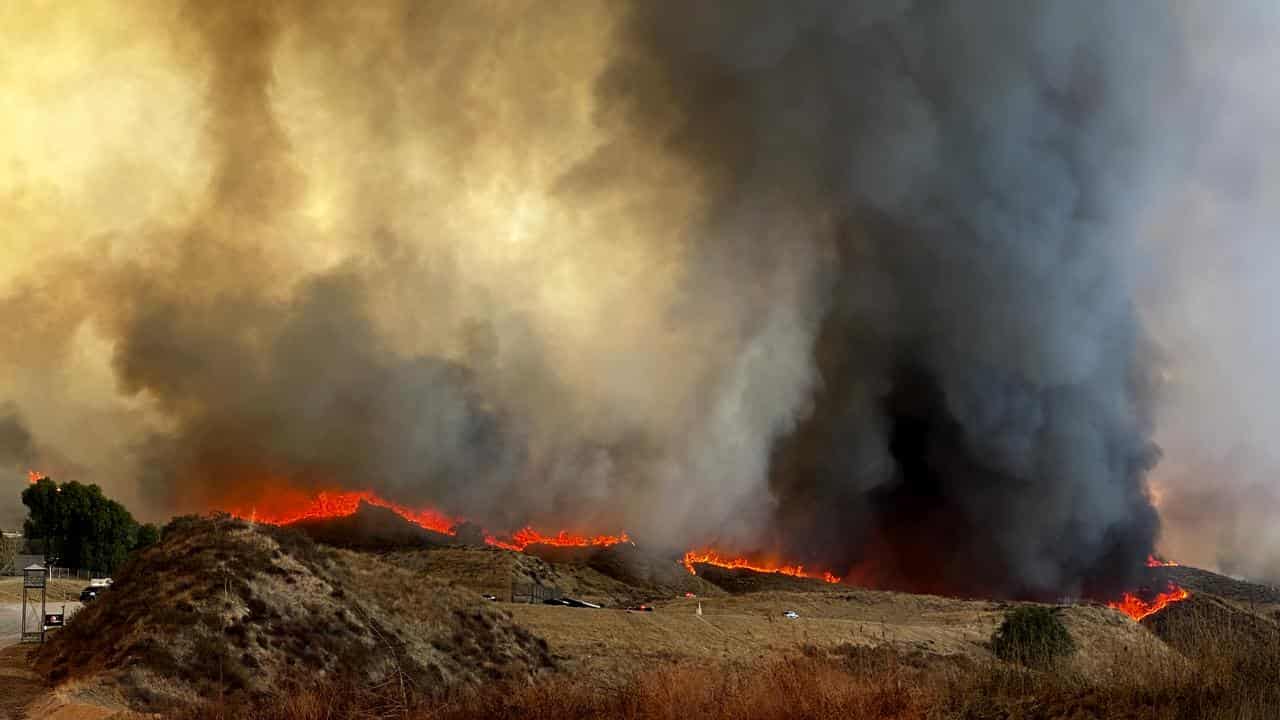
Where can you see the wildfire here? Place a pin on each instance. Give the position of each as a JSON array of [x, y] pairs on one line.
[[527, 536], [342, 504], [712, 557], [1137, 608], [291, 509], [345, 503], [34, 476]]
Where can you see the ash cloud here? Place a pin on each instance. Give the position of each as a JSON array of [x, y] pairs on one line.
[[983, 410], [858, 285]]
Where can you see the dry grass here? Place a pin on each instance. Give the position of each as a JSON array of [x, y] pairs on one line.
[[59, 590], [223, 611], [1224, 676], [269, 626]]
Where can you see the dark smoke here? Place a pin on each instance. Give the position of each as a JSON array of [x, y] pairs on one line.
[[17, 455], [851, 282], [983, 424], [293, 385], [17, 446]]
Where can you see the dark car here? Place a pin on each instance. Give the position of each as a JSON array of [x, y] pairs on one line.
[[90, 593]]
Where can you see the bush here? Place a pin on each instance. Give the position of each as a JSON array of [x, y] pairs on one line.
[[1032, 635]]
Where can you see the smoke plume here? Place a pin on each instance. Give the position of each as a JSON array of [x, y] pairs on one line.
[[859, 286], [17, 452]]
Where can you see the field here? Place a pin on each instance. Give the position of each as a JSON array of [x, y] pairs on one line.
[[228, 620], [59, 591]]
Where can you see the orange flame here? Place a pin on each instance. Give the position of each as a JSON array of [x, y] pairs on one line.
[[709, 556], [1153, 561], [1137, 608], [34, 476], [342, 504], [527, 536]]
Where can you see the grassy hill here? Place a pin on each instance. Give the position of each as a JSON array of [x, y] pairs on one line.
[[221, 609], [224, 619]]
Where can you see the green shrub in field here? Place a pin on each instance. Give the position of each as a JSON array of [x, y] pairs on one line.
[[1032, 635]]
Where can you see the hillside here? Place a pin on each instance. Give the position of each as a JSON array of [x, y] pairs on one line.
[[1253, 597], [750, 627], [225, 611], [370, 528], [222, 609]]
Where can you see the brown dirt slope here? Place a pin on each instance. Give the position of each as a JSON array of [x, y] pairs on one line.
[[741, 580], [1186, 625], [1254, 597], [371, 528], [613, 577], [221, 610], [745, 628]]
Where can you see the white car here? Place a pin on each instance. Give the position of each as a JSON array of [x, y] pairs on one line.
[[791, 614]]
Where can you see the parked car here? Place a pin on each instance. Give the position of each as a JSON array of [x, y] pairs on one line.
[[791, 614]]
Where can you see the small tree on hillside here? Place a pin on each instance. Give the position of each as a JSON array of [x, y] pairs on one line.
[[148, 534], [80, 527], [1032, 635]]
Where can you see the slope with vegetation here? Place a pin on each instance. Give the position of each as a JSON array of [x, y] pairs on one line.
[[223, 610], [224, 619]]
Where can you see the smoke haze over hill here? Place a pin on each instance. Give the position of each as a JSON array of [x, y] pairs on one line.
[[883, 289]]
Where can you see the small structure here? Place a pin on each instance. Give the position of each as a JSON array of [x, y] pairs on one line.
[[34, 580]]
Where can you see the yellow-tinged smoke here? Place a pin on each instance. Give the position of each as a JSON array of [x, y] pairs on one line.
[[581, 259], [173, 173]]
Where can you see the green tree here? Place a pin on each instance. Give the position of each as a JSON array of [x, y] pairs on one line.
[[80, 527], [1032, 635], [148, 534]]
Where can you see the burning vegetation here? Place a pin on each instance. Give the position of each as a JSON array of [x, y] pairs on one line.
[[337, 504], [341, 504], [811, 270], [1135, 606], [708, 556]]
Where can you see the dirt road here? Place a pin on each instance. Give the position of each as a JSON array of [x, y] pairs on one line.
[[18, 685]]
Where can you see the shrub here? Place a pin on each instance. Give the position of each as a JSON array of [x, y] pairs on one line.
[[1032, 635]]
